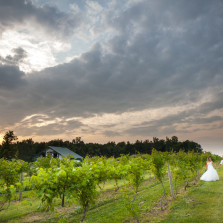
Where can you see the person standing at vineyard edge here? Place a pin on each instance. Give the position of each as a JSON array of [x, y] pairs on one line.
[[221, 162], [211, 174]]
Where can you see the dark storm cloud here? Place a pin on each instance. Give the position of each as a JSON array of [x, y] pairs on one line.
[[163, 54], [19, 55], [11, 77], [18, 12]]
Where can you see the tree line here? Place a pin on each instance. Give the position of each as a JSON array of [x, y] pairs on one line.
[[27, 149]]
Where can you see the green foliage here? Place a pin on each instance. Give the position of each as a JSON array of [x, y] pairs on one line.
[[53, 178], [157, 165], [131, 206], [117, 170], [214, 157], [184, 166], [194, 163], [45, 185], [158, 168], [45, 162], [64, 176], [101, 168], [9, 178], [8, 150], [84, 186], [69, 178], [135, 170]]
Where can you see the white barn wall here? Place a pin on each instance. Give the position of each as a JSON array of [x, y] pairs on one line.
[[52, 152]]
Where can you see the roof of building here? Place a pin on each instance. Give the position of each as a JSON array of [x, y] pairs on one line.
[[65, 152]]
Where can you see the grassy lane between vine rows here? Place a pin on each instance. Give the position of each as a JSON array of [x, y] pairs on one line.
[[109, 208], [201, 202]]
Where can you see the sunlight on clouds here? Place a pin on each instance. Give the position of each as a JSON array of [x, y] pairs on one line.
[[29, 117], [40, 54], [42, 123], [60, 46], [127, 119], [39, 120], [112, 127]]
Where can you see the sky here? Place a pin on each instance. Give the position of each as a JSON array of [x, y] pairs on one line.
[[112, 70]]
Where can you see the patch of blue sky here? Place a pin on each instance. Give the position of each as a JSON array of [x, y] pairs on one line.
[[80, 46]]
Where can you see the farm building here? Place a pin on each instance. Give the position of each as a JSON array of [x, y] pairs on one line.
[[59, 152]]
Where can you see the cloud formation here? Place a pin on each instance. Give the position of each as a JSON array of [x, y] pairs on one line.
[[10, 77], [49, 18], [160, 55]]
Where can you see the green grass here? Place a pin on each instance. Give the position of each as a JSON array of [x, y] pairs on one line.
[[114, 210], [18, 209], [200, 203], [109, 207], [203, 203]]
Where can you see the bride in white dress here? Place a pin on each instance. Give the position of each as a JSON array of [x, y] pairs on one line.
[[211, 174]]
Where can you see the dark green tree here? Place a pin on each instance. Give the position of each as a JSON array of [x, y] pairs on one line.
[[8, 149]]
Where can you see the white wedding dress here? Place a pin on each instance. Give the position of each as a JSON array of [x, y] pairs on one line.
[[211, 174]]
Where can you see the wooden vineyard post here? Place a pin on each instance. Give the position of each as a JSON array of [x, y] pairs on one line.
[[170, 180]]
